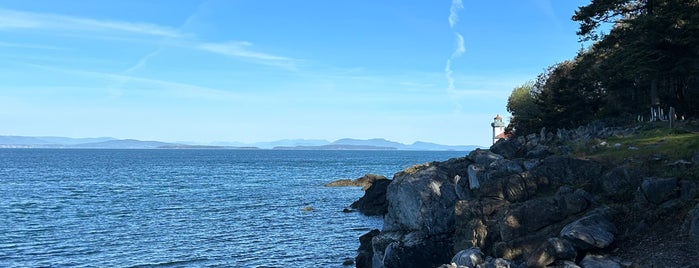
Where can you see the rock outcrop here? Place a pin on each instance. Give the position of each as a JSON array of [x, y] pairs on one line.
[[373, 203], [365, 181], [523, 203]]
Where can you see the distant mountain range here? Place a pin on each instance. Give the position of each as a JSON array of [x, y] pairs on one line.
[[300, 144]]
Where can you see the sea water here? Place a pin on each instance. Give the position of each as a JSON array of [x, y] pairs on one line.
[[186, 208]]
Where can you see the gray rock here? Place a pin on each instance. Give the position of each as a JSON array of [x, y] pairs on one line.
[[688, 190], [474, 173], [483, 157], [506, 148], [539, 151], [591, 231], [551, 250], [525, 218], [659, 190], [599, 261], [365, 252], [564, 264], [573, 201], [506, 166], [620, 184], [530, 164], [471, 258], [374, 200], [691, 224], [421, 200]]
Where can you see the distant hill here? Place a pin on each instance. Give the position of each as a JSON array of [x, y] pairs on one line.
[[288, 144], [124, 144]]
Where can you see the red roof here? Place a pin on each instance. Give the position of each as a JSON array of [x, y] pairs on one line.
[[498, 117], [502, 136]]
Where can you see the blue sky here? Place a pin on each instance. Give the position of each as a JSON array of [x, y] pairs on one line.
[[252, 71]]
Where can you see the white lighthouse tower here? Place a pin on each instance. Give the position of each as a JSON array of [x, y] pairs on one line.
[[498, 128]]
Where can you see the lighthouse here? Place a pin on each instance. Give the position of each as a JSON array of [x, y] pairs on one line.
[[498, 128]]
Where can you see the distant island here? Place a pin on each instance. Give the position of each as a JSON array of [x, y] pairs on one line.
[[299, 144]]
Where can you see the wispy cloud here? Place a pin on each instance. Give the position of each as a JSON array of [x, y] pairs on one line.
[[19, 20], [456, 5], [243, 50], [12, 19], [29, 46], [459, 50], [460, 46]]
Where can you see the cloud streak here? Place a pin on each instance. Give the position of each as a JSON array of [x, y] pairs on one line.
[[19, 20], [459, 50], [12, 20], [456, 5], [243, 50]]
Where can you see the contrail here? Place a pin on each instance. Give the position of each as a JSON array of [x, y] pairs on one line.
[[453, 16], [460, 49]]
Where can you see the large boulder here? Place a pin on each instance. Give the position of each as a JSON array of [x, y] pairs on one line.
[[593, 231], [421, 200], [659, 190], [418, 228]]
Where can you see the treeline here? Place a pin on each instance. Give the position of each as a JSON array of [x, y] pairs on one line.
[[648, 60]]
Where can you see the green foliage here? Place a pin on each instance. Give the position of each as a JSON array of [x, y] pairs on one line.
[[525, 112], [650, 58]]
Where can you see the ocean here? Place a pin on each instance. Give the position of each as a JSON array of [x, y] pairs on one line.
[[186, 208]]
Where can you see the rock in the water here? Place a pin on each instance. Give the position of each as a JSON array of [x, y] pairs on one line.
[[374, 200], [365, 181], [599, 261], [659, 190], [468, 258], [691, 224], [591, 231]]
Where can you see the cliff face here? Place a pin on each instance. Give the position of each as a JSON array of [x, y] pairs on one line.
[[523, 203]]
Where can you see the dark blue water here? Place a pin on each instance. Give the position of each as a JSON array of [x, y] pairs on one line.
[[171, 208]]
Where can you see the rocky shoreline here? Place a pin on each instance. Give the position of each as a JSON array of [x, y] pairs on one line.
[[528, 202]]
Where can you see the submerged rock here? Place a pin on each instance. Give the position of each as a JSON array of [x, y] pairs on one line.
[[365, 181]]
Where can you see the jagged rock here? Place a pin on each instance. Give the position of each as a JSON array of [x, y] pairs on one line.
[[591, 231], [423, 200], [551, 250], [483, 157], [471, 258], [374, 200], [506, 148], [506, 166], [620, 184], [522, 219], [410, 249], [573, 201], [599, 261], [691, 224], [538, 151], [365, 252], [419, 225], [659, 190]]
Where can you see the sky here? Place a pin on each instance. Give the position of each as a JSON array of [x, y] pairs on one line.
[[253, 71]]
